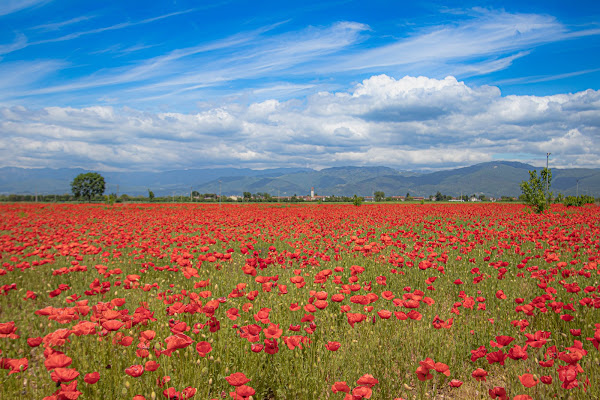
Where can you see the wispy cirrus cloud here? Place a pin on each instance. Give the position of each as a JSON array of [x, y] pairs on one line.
[[12, 6], [482, 34], [20, 42], [244, 55], [478, 42], [546, 78], [122, 25], [54, 26]]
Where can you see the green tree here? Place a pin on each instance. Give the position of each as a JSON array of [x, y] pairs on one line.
[[535, 190], [150, 194], [357, 201], [88, 185], [379, 196], [247, 196]]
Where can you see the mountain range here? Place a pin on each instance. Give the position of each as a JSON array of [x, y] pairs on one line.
[[493, 179]]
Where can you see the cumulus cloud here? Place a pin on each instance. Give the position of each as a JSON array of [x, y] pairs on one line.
[[407, 123]]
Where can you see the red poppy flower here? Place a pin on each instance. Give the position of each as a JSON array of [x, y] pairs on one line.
[[367, 380], [479, 374], [8, 329], [69, 391], [388, 295], [332, 346], [272, 331], [414, 314], [188, 392], [442, 368], [171, 393], [244, 391], [203, 348], [496, 357], [237, 379], [362, 392], [401, 315], [91, 378], [528, 380], [151, 365], [134, 371], [340, 387], [34, 342], [547, 364], [112, 325], [354, 318], [177, 341], [233, 314], [64, 374], [423, 373], [337, 298], [455, 383], [501, 341], [478, 353], [58, 360], [271, 346], [256, 348], [498, 393]]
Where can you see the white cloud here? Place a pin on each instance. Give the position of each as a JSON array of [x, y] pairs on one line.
[[265, 61], [411, 122], [19, 43], [12, 6], [489, 33]]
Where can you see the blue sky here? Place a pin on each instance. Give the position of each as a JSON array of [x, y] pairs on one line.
[[185, 84]]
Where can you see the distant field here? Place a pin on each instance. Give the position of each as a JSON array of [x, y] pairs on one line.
[[280, 301]]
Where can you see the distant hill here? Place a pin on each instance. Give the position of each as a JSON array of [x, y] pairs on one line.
[[499, 178]]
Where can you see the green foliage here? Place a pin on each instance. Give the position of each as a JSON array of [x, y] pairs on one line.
[[111, 199], [535, 191], [442, 197], [577, 201], [357, 201], [88, 185], [560, 198], [150, 194], [379, 196]]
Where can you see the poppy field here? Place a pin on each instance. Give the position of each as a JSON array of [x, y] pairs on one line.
[[263, 302]]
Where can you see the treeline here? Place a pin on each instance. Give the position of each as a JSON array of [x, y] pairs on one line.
[[263, 198]]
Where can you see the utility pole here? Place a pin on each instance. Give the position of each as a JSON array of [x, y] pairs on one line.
[[547, 158]]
